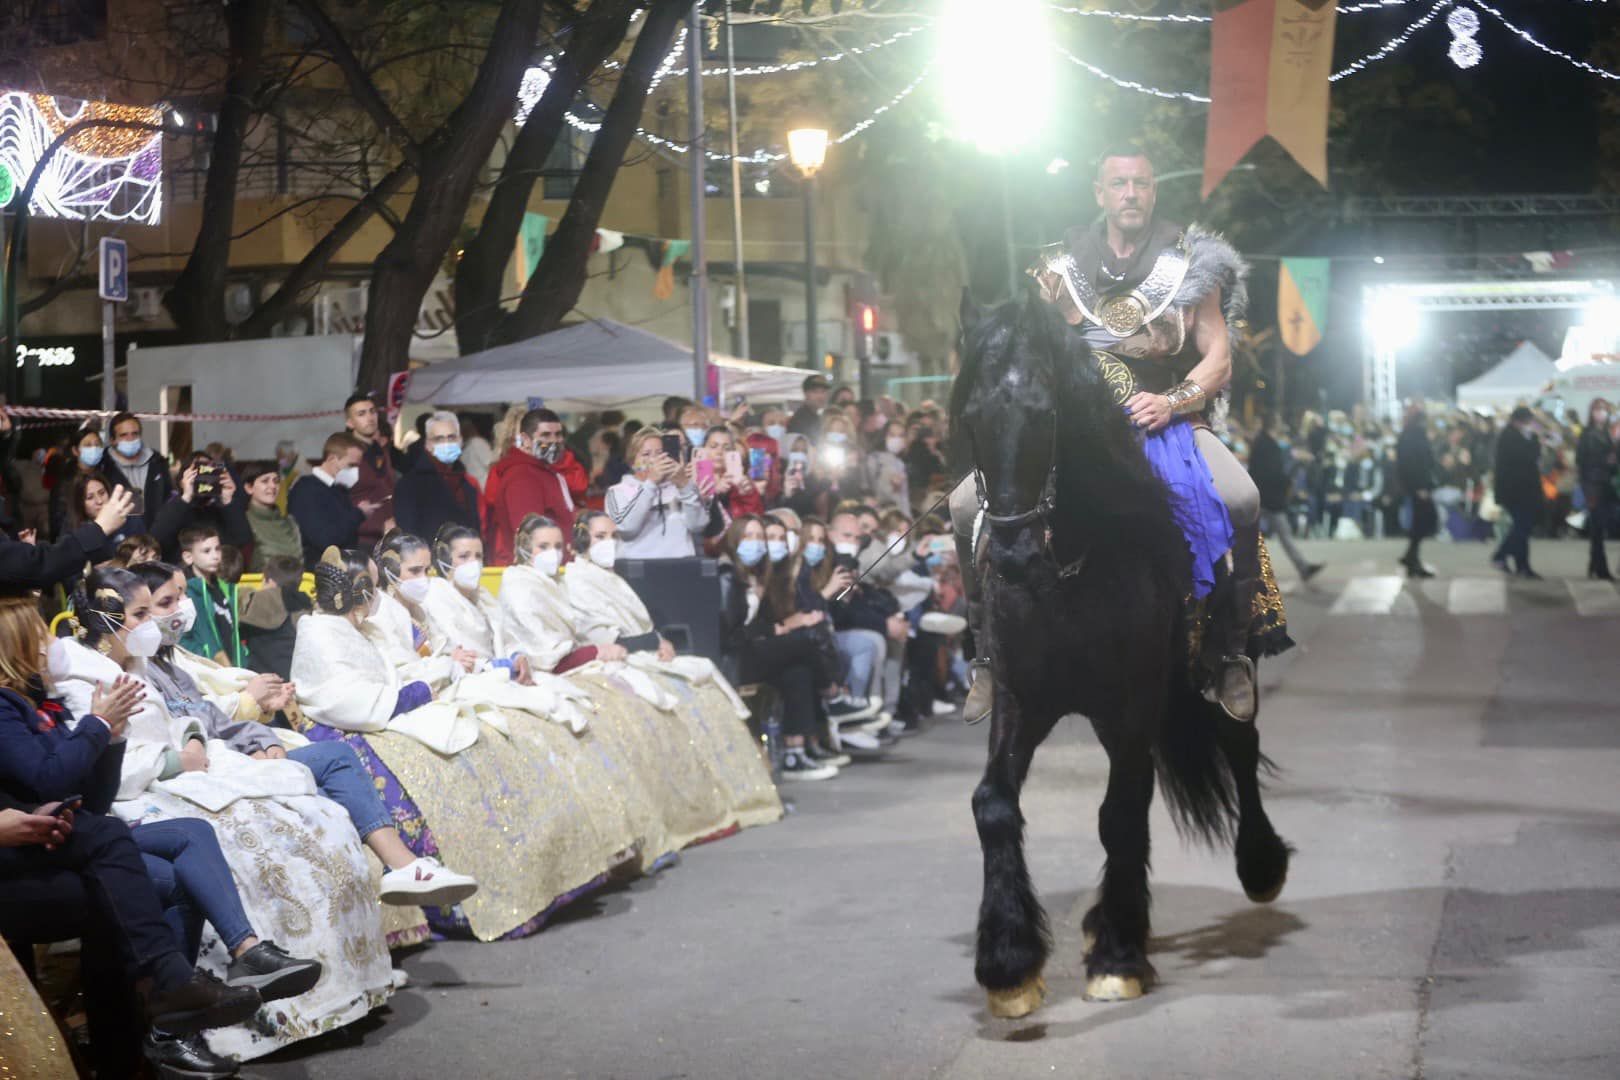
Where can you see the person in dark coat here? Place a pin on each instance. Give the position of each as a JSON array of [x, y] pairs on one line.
[[319, 501], [138, 468], [437, 490], [1518, 491], [40, 566], [1415, 466], [1595, 461], [807, 419], [1269, 468], [380, 465]]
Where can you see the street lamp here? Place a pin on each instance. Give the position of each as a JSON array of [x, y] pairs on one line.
[[807, 149]]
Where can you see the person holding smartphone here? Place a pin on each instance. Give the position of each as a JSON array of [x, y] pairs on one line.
[[720, 464], [657, 508]]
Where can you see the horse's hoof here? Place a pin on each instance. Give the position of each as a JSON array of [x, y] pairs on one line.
[[1021, 1000], [1115, 987], [1270, 894]]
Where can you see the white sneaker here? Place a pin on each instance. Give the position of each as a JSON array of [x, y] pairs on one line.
[[942, 623], [796, 765], [426, 882], [943, 708], [863, 741]]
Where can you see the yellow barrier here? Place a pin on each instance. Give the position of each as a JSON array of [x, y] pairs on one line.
[[251, 582], [61, 617]]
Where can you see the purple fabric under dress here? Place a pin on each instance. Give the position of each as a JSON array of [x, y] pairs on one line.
[[1202, 515]]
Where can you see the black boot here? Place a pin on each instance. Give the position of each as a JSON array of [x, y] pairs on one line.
[[1233, 683]]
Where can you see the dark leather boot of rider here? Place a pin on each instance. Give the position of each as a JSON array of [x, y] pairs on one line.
[[1233, 684]]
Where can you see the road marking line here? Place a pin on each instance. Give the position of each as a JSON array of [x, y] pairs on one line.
[[1477, 596], [1594, 597], [1368, 596]]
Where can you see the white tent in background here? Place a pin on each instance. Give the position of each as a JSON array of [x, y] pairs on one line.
[[593, 365], [1517, 379]]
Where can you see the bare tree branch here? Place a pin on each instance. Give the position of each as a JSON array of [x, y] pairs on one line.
[[359, 80]]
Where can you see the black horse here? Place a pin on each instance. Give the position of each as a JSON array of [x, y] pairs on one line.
[[1087, 585]]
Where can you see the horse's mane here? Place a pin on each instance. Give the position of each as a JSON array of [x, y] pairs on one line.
[[1107, 493]]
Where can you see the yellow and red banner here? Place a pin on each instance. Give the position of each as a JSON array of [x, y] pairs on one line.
[[1269, 67]]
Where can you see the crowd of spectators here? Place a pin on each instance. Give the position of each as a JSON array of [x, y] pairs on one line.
[[1467, 474], [178, 710]]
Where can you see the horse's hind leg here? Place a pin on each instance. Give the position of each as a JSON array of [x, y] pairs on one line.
[[1262, 855], [1013, 938], [1116, 928]]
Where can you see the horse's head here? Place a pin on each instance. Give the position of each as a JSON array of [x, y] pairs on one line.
[[1005, 404]]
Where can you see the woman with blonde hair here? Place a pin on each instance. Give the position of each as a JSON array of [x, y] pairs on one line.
[[300, 868]]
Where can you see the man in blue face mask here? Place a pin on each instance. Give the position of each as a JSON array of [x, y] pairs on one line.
[[437, 490], [130, 462]]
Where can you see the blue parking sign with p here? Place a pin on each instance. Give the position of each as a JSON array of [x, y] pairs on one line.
[[114, 270]]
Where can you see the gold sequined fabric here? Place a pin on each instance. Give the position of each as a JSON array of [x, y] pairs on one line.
[[1268, 632], [31, 1045], [522, 814], [306, 885], [734, 755]]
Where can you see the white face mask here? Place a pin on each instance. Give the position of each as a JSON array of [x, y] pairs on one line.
[[347, 477], [847, 549], [896, 445], [604, 553], [414, 589], [145, 640], [548, 561], [467, 574], [179, 624], [56, 657]]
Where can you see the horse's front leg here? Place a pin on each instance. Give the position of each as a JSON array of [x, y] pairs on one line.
[[1116, 928], [1013, 938], [1262, 855]]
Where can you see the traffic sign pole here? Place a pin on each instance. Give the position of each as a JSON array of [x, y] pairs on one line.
[[114, 290]]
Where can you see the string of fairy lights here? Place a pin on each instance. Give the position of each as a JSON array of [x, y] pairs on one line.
[[1462, 20]]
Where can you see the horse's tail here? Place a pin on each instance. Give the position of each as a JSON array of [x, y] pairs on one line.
[[1193, 771]]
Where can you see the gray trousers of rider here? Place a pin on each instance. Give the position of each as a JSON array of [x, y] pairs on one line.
[[1232, 484]]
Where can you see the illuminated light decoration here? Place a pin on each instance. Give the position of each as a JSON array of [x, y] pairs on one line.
[[1590, 69], [1463, 23], [805, 65], [535, 81], [1129, 84], [1389, 47], [47, 355], [8, 185], [97, 174], [760, 156]]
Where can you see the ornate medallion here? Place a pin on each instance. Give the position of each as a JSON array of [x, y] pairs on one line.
[[1123, 315]]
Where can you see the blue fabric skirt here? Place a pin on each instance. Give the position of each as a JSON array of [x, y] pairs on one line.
[[1202, 515]]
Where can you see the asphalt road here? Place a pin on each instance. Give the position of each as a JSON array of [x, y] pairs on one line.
[[1450, 754]]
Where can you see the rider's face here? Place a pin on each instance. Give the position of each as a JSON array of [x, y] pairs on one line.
[[1125, 190]]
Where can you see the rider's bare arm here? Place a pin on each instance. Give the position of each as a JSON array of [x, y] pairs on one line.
[[1214, 371]]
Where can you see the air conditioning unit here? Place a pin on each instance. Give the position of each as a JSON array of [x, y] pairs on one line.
[[145, 304]]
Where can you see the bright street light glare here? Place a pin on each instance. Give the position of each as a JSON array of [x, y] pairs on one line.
[[997, 68], [1393, 323], [1603, 314]]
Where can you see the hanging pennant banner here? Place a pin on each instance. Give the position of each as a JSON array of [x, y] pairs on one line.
[[1269, 67], [532, 241], [1302, 302]]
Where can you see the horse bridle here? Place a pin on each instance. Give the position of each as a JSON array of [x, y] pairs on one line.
[[1041, 511]]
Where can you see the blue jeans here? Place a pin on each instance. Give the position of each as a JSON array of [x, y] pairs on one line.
[[341, 778], [193, 881], [863, 652]]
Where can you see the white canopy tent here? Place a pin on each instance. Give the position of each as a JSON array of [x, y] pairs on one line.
[[1580, 386], [1517, 379], [593, 365]]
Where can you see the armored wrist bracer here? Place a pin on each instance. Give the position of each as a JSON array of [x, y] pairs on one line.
[[1186, 397]]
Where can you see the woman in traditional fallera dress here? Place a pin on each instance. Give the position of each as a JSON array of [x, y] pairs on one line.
[[298, 863], [465, 779]]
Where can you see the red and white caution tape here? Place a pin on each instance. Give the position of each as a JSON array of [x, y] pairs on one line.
[[33, 412]]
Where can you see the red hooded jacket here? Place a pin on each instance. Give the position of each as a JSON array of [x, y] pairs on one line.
[[519, 485], [569, 470]]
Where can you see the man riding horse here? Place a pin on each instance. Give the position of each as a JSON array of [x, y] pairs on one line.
[[1156, 303]]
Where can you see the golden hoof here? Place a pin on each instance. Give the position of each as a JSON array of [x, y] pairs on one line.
[[1114, 988], [1088, 939], [1021, 1000], [1269, 895]]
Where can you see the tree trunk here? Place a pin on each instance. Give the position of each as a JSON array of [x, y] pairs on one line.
[[309, 270], [197, 299], [482, 268], [559, 279], [452, 161]]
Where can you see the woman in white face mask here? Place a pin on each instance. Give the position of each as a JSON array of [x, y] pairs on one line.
[[534, 603], [399, 626], [172, 768], [461, 611]]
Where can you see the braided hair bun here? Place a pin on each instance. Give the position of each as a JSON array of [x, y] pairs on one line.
[[99, 601], [338, 589]]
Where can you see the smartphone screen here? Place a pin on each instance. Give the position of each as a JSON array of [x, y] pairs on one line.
[[674, 446], [704, 469], [759, 463], [734, 464]]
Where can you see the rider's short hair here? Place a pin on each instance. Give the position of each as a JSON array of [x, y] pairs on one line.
[[1121, 150]]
